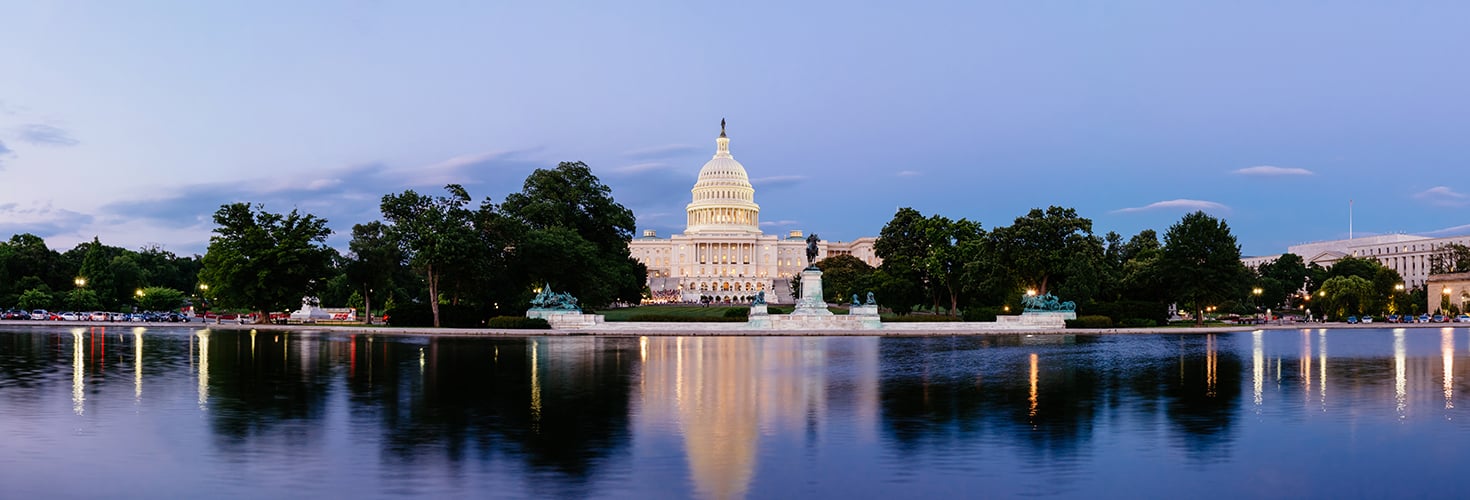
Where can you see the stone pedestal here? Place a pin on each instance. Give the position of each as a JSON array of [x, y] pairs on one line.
[[563, 319], [759, 317], [811, 303]]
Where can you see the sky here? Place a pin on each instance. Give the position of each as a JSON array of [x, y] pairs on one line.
[[133, 121]]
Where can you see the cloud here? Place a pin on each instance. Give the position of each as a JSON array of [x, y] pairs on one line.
[[661, 152], [1443, 196], [1449, 231], [39, 219], [639, 168], [1176, 204], [779, 223], [778, 181], [37, 133], [1270, 171], [908, 173]]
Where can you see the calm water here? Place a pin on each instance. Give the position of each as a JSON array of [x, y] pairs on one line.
[[177, 412]]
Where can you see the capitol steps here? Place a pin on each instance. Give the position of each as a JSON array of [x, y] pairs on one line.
[[782, 289]]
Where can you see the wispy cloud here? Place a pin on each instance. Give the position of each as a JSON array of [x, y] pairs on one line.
[[41, 219], [778, 180], [779, 223], [1443, 196], [908, 173], [1270, 171], [639, 168], [4, 151], [661, 152], [37, 133], [1449, 231], [1184, 204]]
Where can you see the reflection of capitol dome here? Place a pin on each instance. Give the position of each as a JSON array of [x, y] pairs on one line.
[[724, 201]]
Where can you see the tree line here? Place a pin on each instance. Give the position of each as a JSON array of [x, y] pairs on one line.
[[956, 267], [436, 259]]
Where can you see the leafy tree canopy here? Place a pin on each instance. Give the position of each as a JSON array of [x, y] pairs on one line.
[[1200, 264], [265, 261]]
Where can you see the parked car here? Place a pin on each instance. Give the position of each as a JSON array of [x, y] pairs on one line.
[[1393, 318], [117, 317], [15, 314], [70, 316], [40, 315], [1438, 318], [97, 316], [1463, 318], [1367, 319], [1424, 318], [1352, 320]]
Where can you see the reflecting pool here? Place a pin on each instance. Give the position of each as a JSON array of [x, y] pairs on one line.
[[175, 412]]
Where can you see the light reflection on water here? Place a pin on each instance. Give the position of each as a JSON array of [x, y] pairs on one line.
[[258, 414]]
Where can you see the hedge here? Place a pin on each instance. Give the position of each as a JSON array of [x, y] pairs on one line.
[[1094, 321], [450, 316], [1122, 310], [519, 323]]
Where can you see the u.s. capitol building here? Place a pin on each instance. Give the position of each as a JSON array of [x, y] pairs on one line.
[[722, 253]]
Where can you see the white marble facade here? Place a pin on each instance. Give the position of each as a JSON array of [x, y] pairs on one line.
[[722, 252]]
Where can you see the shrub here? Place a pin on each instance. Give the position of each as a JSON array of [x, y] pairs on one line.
[[980, 313], [450, 316], [1137, 323], [1094, 321], [519, 322], [919, 318], [1127, 309], [737, 312]]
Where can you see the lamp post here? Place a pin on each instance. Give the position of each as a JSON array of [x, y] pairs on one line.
[[80, 282], [1255, 298]]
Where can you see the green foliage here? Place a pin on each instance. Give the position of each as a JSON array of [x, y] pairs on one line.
[[1044, 248], [1450, 258], [518, 323], [981, 313], [903, 247], [265, 261], [844, 275], [157, 298], [737, 312], [450, 315], [1090, 322], [438, 237], [919, 318], [34, 298], [1123, 310], [1200, 264], [568, 213], [1281, 279], [1345, 296], [82, 299], [1138, 323]]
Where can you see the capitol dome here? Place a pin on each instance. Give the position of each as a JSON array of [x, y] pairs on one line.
[[724, 200]]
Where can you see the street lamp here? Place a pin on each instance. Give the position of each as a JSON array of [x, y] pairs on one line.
[[80, 282], [1255, 298]]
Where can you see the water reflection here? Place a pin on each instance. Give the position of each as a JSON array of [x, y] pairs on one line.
[[726, 417]]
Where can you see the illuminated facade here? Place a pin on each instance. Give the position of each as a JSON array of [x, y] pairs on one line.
[[722, 253], [1407, 254]]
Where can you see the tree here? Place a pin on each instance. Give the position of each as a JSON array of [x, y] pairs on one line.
[[569, 213], [902, 245], [1343, 295], [34, 298], [1039, 249], [158, 298], [265, 261], [82, 299], [844, 275], [436, 234], [948, 245], [1450, 258], [1282, 278], [372, 262], [1201, 264]]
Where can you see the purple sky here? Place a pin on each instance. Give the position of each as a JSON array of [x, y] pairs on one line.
[[134, 122]]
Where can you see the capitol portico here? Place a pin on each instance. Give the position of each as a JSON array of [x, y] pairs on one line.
[[722, 252]]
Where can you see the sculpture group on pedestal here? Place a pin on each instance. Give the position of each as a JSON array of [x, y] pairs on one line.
[[1046, 302], [547, 299]]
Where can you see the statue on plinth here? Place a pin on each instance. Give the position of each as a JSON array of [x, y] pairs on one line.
[[871, 301], [1046, 302], [547, 299], [760, 298], [811, 250]]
